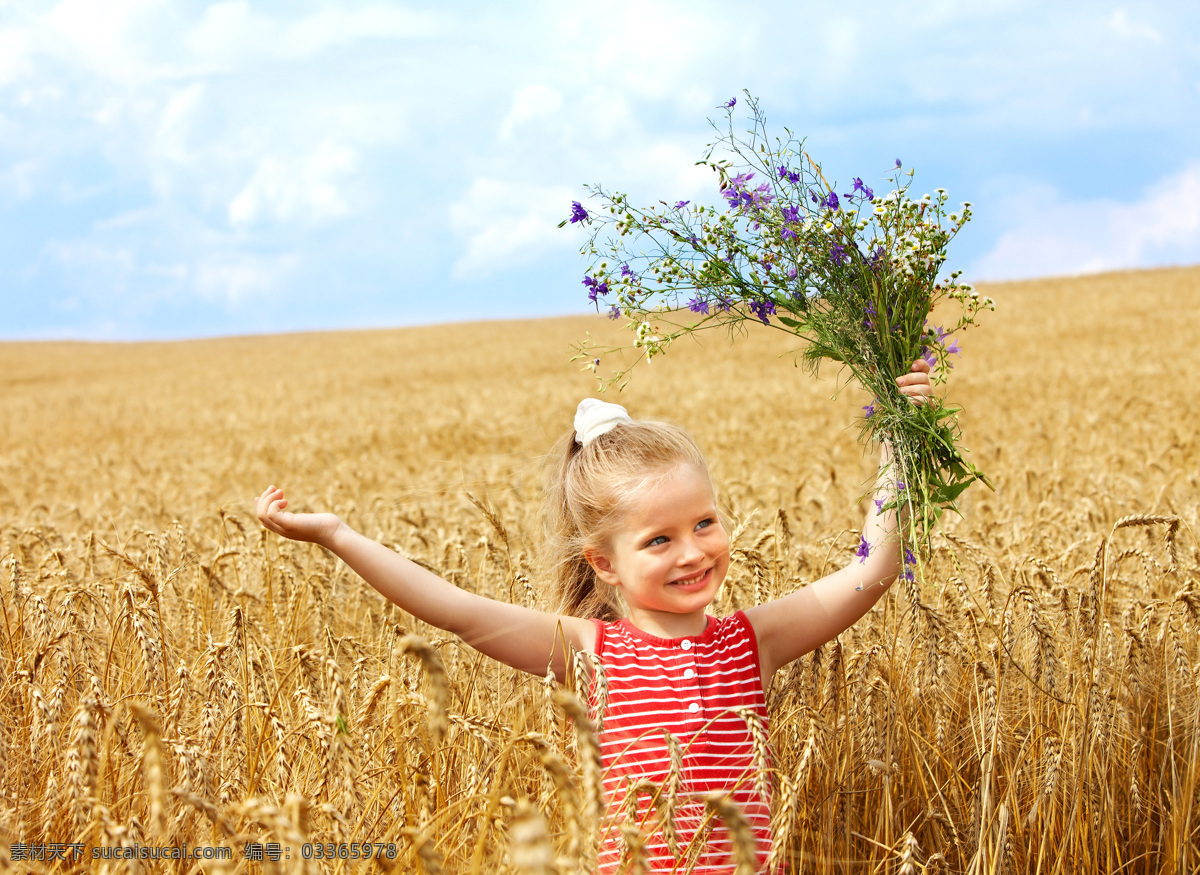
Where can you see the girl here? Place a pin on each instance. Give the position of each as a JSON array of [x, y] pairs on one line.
[[639, 553]]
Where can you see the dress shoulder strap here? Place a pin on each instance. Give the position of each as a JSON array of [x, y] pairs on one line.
[[600, 638]]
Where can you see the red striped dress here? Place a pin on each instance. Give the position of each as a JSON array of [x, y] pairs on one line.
[[690, 688]]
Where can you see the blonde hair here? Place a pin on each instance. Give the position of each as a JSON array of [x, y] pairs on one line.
[[586, 491]]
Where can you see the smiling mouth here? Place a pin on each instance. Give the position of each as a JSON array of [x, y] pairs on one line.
[[696, 581]]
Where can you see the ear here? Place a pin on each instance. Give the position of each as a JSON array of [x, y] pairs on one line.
[[603, 567]]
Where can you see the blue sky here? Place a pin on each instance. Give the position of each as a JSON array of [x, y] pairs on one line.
[[191, 169]]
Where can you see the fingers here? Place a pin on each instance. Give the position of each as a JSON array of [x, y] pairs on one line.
[[918, 394], [916, 384], [268, 505]]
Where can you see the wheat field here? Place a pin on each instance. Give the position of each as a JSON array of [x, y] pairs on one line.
[[173, 674]]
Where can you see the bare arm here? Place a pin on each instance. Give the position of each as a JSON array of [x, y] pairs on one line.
[[518, 636], [796, 624]]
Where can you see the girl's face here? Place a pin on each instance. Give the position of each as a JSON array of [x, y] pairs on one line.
[[670, 553]]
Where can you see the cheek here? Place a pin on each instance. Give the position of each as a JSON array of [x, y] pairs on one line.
[[721, 543]]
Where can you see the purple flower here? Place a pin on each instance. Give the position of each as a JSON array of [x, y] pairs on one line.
[[737, 199], [790, 175], [930, 358], [594, 288], [763, 309], [869, 410], [909, 558], [865, 189], [907, 574], [838, 253], [625, 271], [869, 319], [897, 162], [790, 213], [698, 306], [792, 271], [741, 198], [831, 202], [879, 505], [952, 348], [732, 103], [787, 234], [679, 205], [615, 312], [578, 213], [864, 549], [733, 192], [900, 485]]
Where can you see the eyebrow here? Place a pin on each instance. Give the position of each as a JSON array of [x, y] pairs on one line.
[[649, 534]]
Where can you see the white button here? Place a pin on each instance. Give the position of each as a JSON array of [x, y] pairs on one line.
[[685, 644], [694, 707], [689, 673]]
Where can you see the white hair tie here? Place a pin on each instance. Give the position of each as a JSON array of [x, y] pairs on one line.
[[595, 417]]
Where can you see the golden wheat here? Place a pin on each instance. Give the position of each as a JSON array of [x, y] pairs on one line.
[[173, 674]]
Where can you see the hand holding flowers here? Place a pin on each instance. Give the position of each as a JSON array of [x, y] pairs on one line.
[[854, 275]]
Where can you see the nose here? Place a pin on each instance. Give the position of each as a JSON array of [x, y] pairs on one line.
[[690, 552]]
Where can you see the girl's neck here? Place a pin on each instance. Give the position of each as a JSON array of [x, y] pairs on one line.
[[664, 624]]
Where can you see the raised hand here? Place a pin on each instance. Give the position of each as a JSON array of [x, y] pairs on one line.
[[916, 385], [316, 527]]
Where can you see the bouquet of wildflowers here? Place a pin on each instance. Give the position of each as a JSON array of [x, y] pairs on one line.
[[856, 276]]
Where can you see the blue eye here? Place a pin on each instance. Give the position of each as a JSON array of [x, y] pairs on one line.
[[704, 524], [661, 539]]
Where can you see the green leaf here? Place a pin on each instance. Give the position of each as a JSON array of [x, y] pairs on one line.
[[948, 494]]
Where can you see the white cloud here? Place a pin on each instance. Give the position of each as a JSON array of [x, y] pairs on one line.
[[115, 38], [15, 48], [229, 34], [335, 26], [308, 189], [1121, 23], [131, 279], [93, 258], [659, 47], [144, 42], [506, 223], [234, 277], [171, 140], [530, 102], [548, 136], [1054, 237], [18, 179], [194, 141]]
